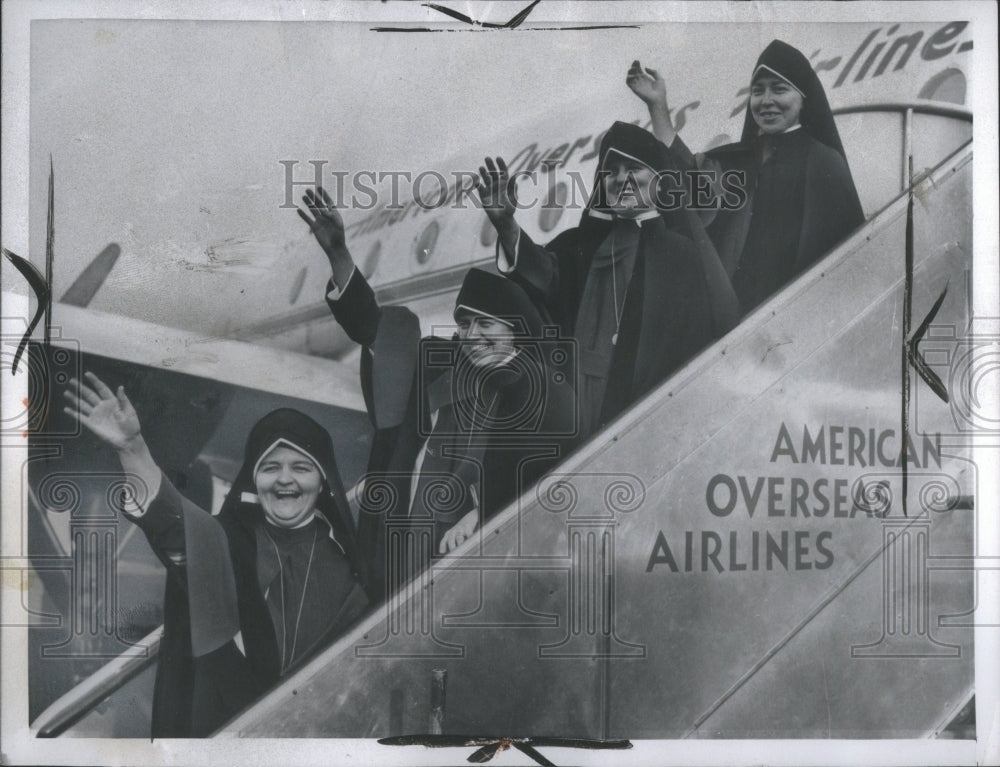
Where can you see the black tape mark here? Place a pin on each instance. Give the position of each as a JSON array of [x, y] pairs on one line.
[[490, 746], [528, 751], [43, 296], [916, 359], [407, 29], [40, 285], [584, 28], [525, 29], [907, 321], [513, 22], [50, 238]]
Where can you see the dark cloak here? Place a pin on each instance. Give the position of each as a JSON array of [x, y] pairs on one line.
[[202, 678], [405, 378], [801, 200], [678, 300]]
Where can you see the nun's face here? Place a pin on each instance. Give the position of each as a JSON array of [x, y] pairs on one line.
[[485, 340], [630, 185], [288, 484], [774, 104]]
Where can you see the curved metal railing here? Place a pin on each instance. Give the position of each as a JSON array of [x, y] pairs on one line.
[[907, 109]]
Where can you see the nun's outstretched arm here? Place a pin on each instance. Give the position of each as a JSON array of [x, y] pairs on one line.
[[188, 540], [497, 191], [649, 86], [328, 228], [110, 417]]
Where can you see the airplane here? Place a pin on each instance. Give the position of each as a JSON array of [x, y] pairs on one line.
[[781, 381]]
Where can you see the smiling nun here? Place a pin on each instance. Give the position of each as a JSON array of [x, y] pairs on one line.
[[253, 591], [801, 199]]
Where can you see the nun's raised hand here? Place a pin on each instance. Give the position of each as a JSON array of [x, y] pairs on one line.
[[326, 224], [647, 84], [108, 414], [328, 228], [497, 191]]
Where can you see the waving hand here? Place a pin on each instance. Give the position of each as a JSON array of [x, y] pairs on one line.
[[108, 414], [327, 227]]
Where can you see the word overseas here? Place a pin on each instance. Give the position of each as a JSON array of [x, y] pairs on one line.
[[779, 499]]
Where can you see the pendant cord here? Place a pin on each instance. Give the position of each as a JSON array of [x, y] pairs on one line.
[[302, 600], [472, 431], [614, 287]]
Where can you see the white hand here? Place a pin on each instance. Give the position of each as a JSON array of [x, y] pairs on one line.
[[107, 414], [460, 532]]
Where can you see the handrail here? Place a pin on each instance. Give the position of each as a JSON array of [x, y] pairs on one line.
[[908, 109], [919, 106], [79, 701]]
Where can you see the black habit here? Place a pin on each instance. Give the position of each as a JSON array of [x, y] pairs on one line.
[[202, 677], [801, 199], [675, 302], [483, 442]]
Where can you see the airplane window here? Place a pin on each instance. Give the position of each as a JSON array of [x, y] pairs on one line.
[[300, 280], [549, 215], [487, 235], [426, 242], [371, 260], [947, 85]]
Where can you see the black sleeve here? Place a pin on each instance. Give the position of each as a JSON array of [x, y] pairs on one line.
[[163, 526], [356, 311], [390, 337], [682, 157], [536, 269]]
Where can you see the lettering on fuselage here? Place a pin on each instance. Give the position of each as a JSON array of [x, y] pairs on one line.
[[872, 58], [775, 499], [882, 50]]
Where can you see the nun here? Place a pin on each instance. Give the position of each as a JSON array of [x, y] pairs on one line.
[[636, 283], [252, 592], [463, 425], [801, 199]]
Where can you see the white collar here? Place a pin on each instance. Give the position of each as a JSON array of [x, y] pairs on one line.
[[247, 497], [787, 130], [646, 215]]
